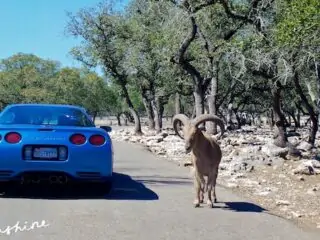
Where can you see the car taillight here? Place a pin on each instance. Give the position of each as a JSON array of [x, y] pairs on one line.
[[78, 139], [97, 140], [13, 137]]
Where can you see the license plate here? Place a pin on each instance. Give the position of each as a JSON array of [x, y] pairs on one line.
[[45, 153]]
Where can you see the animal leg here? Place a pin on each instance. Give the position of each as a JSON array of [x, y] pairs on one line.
[[209, 187], [203, 185], [197, 186], [214, 182], [201, 195]]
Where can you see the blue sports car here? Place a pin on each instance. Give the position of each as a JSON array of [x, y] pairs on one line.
[[55, 143]]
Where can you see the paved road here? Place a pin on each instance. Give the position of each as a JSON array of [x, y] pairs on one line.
[[152, 199]]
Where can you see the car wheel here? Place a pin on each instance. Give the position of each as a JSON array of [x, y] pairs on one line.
[[104, 187], [4, 186], [108, 186]]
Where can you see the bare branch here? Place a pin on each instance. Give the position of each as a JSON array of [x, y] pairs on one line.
[[203, 5], [179, 58]]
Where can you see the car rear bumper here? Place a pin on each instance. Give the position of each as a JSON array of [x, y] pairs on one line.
[[90, 170], [82, 162], [57, 177], [52, 177]]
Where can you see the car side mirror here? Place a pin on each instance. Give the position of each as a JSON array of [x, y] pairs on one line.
[[106, 128]]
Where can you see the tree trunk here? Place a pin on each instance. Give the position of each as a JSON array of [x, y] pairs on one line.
[[229, 116], [125, 118], [315, 122], [239, 121], [160, 107], [198, 100], [298, 119], [295, 120], [193, 115], [156, 116], [94, 116], [149, 111], [179, 58], [212, 126], [137, 123], [307, 122], [312, 112], [177, 103], [254, 119], [118, 119], [259, 120], [314, 130], [287, 122], [128, 116], [271, 118], [280, 138]]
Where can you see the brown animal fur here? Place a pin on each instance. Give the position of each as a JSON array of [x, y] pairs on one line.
[[205, 151]]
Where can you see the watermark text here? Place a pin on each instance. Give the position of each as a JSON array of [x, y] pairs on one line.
[[19, 227]]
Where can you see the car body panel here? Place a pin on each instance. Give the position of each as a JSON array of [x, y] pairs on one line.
[[85, 161]]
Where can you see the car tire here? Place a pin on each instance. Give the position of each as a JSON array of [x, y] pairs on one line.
[[4, 187], [104, 187], [108, 186]]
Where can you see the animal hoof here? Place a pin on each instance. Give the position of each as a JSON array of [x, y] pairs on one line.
[[210, 204], [215, 200], [196, 203], [201, 201]]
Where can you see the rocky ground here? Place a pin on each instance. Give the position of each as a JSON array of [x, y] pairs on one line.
[[285, 182]]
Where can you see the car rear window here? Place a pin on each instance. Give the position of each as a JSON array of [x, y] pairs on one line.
[[44, 115]]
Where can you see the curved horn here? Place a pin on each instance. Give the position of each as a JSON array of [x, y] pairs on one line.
[[179, 118], [209, 117]]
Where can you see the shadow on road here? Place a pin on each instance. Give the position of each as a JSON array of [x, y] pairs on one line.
[[237, 207], [233, 206], [124, 188], [242, 207], [164, 180]]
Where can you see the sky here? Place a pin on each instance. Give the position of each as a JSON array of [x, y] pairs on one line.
[[37, 27]]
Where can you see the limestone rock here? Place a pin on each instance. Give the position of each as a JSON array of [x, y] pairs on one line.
[[282, 203], [309, 167], [273, 151], [304, 146]]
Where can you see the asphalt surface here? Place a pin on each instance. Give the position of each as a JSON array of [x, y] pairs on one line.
[[151, 199]]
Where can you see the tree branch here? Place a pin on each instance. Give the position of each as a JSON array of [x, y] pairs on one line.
[[203, 5], [179, 58]]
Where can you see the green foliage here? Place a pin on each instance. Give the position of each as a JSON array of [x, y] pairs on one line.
[[136, 99], [247, 55], [26, 78], [298, 23], [135, 48]]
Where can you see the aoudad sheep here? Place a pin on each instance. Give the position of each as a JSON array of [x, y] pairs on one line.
[[205, 152]]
